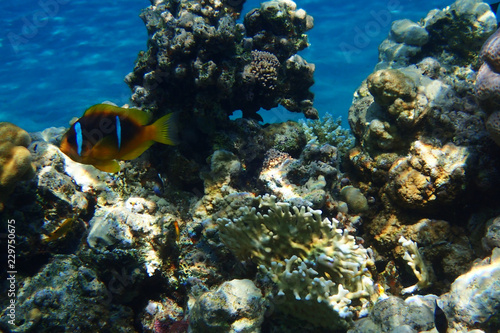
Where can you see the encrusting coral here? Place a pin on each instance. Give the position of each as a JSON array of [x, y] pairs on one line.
[[310, 259], [15, 158]]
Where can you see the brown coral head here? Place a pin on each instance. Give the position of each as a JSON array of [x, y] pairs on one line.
[[490, 52], [493, 126], [487, 88], [387, 85]]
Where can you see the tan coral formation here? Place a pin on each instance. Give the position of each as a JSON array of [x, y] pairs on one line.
[[15, 158], [428, 176], [406, 94]]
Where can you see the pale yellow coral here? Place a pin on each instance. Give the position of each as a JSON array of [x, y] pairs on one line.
[[309, 258], [15, 158], [416, 262]]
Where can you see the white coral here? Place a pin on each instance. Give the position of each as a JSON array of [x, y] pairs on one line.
[[417, 264]]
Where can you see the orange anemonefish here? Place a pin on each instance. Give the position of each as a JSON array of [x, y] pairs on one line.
[[106, 133]]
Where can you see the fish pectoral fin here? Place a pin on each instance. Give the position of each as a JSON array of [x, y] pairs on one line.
[[137, 151], [108, 166], [105, 149]]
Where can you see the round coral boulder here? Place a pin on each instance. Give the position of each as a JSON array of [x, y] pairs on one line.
[[15, 158]]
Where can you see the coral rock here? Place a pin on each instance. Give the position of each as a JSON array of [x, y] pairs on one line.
[[474, 297], [392, 314], [408, 32], [488, 88], [62, 291], [492, 237], [355, 200], [236, 306], [493, 127], [387, 86], [429, 176]]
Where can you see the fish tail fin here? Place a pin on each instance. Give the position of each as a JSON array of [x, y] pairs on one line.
[[164, 130]]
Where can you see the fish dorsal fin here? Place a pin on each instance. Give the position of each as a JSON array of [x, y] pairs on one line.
[[142, 117]]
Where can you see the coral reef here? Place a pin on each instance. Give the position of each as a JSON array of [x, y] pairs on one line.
[[311, 260], [422, 151], [284, 227], [451, 35], [15, 159], [231, 66]]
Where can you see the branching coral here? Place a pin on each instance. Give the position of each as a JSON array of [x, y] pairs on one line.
[[417, 264], [328, 130], [309, 258]]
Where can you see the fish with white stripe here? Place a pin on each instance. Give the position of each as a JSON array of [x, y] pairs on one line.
[[107, 133]]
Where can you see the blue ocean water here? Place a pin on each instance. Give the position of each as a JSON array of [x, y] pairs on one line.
[[61, 56]]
